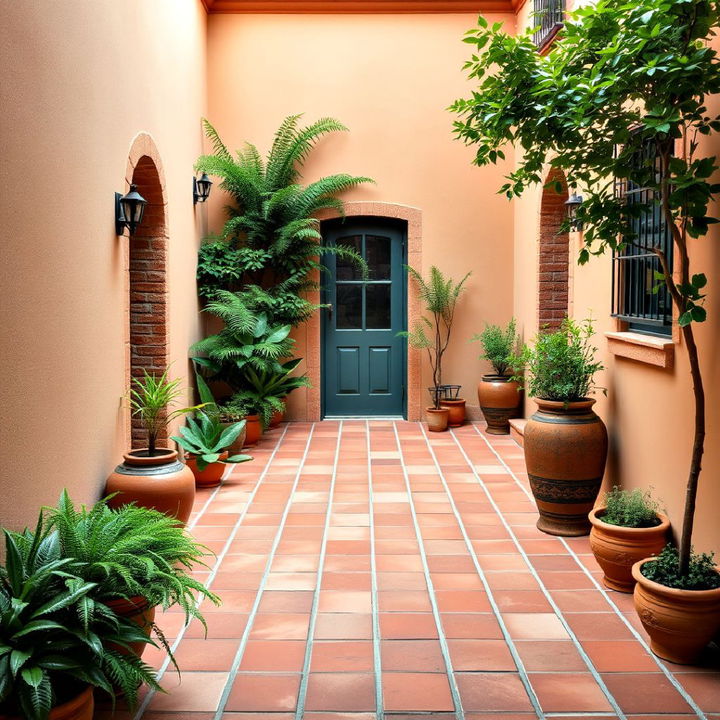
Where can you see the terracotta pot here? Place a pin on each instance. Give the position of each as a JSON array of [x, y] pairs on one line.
[[211, 475], [680, 623], [437, 420], [239, 443], [565, 451], [456, 416], [137, 610], [499, 399], [618, 548], [160, 482], [253, 430], [81, 707], [276, 419]]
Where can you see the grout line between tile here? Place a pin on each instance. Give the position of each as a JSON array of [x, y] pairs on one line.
[[304, 678], [221, 555], [454, 691], [488, 591], [664, 669], [521, 550], [377, 656], [232, 673]]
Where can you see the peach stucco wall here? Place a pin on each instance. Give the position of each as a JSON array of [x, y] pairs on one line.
[[80, 81], [389, 78], [648, 410]]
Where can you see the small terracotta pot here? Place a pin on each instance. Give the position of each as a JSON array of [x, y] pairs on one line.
[[239, 443], [499, 399], [456, 416], [211, 476], [680, 623], [437, 420], [618, 548], [137, 610], [160, 482], [277, 417], [253, 430], [565, 451], [81, 707]]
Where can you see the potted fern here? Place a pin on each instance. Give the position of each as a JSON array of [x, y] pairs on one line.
[[626, 528], [137, 559], [58, 642], [154, 477], [206, 442], [440, 296], [565, 442], [499, 394]]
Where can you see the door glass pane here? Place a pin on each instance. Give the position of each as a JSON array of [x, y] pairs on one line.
[[377, 306], [377, 254], [345, 268], [348, 310]]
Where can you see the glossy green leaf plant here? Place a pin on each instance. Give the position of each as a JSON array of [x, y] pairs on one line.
[[624, 76], [56, 636]]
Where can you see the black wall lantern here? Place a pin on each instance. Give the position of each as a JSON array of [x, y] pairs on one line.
[[129, 210], [572, 204], [201, 188]]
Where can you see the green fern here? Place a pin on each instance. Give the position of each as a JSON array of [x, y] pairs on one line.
[[272, 221]]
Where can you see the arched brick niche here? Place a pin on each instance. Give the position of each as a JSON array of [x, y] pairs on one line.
[[553, 254], [147, 273]]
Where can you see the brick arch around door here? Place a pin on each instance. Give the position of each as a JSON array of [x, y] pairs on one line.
[[147, 336], [553, 253]]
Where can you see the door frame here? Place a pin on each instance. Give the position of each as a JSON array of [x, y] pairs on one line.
[[308, 405], [397, 224]]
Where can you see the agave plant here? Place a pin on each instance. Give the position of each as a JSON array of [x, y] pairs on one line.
[[56, 637], [206, 438], [270, 246], [131, 551]]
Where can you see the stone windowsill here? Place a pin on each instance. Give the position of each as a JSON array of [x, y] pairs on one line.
[[642, 348]]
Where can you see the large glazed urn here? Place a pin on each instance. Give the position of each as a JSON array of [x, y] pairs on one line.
[[160, 482], [499, 399], [565, 451]]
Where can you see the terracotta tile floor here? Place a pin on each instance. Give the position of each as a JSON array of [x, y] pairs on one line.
[[370, 570]]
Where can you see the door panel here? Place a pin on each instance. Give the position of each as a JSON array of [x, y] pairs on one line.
[[363, 359]]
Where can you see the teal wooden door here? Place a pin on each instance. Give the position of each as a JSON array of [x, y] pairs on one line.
[[363, 359]]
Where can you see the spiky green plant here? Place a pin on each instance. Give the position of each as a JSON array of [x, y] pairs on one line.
[[440, 296], [131, 551], [270, 245], [150, 397], [206, 438], [248, 340], [499, 345], [56, 637]]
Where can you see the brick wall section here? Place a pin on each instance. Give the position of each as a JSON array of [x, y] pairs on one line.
[[148, 286], [553, 256]]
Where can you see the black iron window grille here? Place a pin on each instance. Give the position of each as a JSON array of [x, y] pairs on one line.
[[634, 266], [548, 16]]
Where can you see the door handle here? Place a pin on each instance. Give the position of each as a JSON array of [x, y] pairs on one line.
[[330, 311]]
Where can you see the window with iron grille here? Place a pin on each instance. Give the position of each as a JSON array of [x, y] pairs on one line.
[[548, 18], [635, 265]]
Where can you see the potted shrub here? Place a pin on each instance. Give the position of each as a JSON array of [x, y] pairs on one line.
[[57, 641], [206, 442], [136, 558], [154, 477], [440, 297], [225, 414], [565, 442], [626, 529], [680, 611], [499, 394], [574, 111]]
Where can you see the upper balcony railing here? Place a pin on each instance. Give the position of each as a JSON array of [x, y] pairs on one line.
[[548, 16]]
